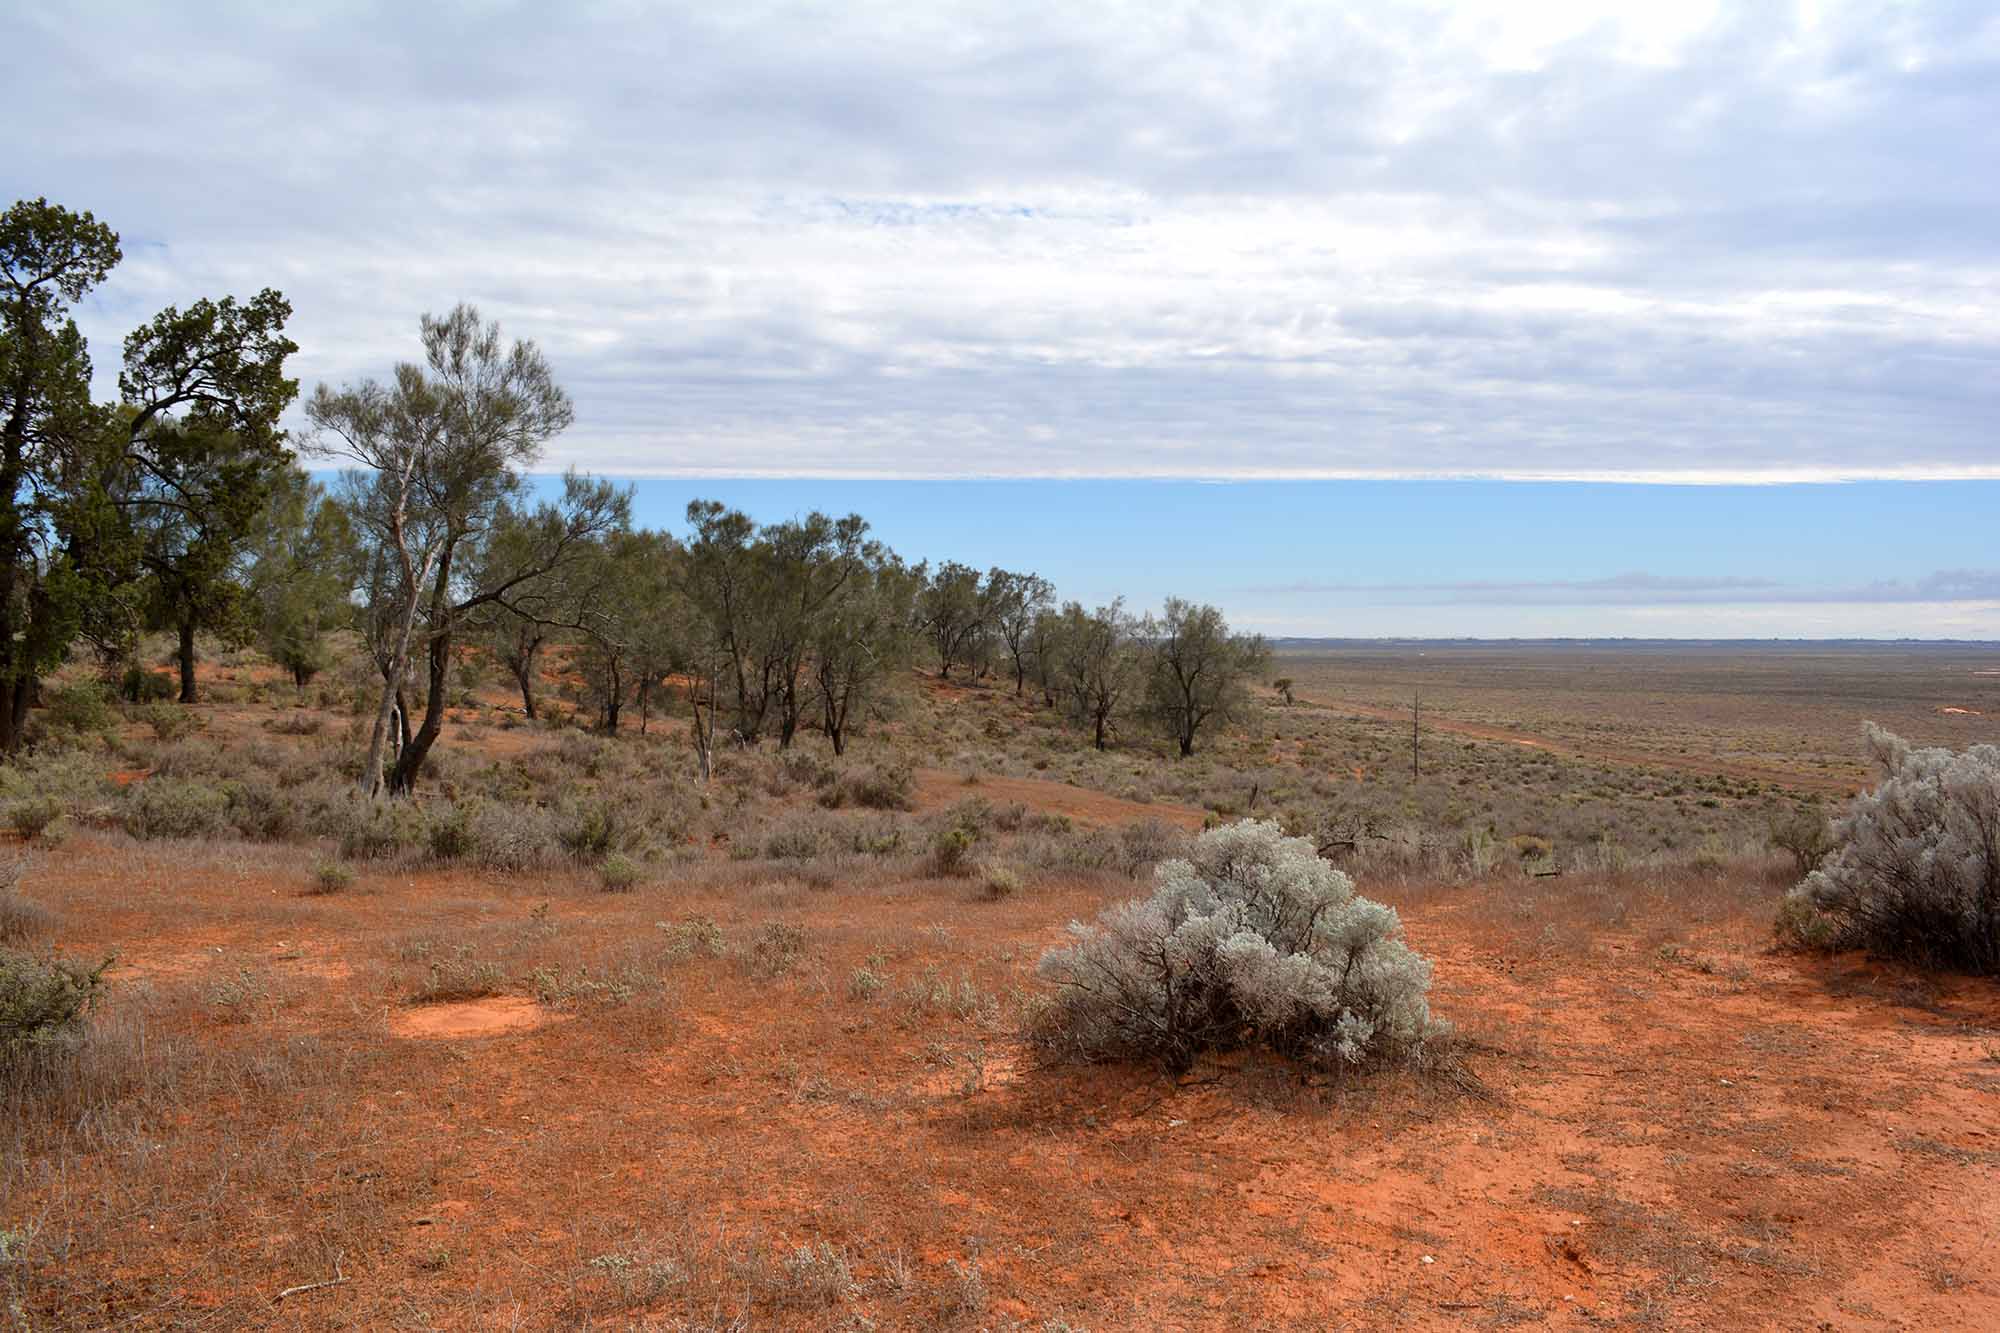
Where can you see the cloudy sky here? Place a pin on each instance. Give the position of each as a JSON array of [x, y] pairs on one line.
[[1668, 244]]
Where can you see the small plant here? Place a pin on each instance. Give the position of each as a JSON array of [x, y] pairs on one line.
[[693, 936], [170, 722], [864, 983], [620, 873], [33, 816], [44, 1002], [999, 881], [163, 807], [140, 686], [883, 787], [814, 1276], [330, 877], [82, 709], [775, 949], [1805, 833], [459, 977], [951, 851], [236, 998], [967, 1292]]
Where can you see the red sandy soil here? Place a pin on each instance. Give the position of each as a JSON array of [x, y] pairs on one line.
[[1710, 1136]]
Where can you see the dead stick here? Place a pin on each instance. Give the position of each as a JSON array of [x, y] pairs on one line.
[[334, 1281]]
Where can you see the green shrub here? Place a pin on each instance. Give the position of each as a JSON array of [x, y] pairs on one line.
[[619, 873], [81, 709], [330, 877], [1805, 834], [170, 722], [882, 787], [999, 881], [44, 1001], [378, 830], [262, 811], [587, 829], [31, 816], [461, 976], [175, 808], [951, 851], [140, 686]]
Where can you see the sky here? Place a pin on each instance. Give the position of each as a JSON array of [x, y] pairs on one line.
[[1453, 319]]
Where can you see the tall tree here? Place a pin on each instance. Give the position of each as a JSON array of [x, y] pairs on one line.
[[49, 259], [1018, 600], [863, 640], [952, 611], [443, 449], [302, 569], [1101, 663], [1198, 671], [73, 475]]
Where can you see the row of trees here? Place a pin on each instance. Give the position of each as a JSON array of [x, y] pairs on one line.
[[179, 506]]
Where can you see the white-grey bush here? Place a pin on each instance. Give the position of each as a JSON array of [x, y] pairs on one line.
[[1252, 938], [1915, 869]]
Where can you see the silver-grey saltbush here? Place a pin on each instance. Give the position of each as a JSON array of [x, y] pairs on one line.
[[1915, 869], [1252, 938]]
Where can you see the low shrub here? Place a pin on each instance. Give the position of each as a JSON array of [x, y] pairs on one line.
[[175, 808], [170, 722], [140, 686], [80, 709], [882, 787], [44, 1002], [330, 877], [620, 873], [951, 851], [1805, 833], [378, 830], [31, 816], [999, 881], [1253, 939], [1914, 872], [459, 976]]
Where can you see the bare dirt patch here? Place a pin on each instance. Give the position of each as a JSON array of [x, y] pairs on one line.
[[469, 1018]]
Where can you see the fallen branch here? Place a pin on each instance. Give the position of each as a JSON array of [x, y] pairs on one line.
[[334, 1281]]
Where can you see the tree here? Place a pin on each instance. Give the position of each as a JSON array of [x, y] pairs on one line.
[[863, 639], [302, 568], [443, 448], [723, 583], [1018, 600], [1283, 685], [1099, 664], [807, 566], [195, 507], [73, 475], [634, 620], [952, 612], [1198, 670]]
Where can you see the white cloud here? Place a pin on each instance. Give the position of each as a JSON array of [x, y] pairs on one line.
[[1565, 240]]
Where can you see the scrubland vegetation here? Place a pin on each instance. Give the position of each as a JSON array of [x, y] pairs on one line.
[[432, 906]]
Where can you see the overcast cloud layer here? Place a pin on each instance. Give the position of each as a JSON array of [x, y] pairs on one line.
[[1156, 239]]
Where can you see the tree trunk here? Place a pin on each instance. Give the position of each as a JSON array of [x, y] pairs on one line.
[[524, 676], [1099, 719], [1187, 745], [403, 779], [188, 695]]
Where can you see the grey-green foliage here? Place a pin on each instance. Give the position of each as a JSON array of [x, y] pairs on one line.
[[44, 1001], [1915, 870], [1252, 939]]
